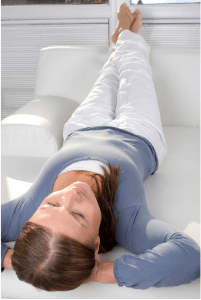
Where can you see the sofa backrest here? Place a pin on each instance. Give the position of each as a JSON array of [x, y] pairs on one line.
[[71, 71]]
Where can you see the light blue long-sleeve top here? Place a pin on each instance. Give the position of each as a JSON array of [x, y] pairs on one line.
[[164, 255]]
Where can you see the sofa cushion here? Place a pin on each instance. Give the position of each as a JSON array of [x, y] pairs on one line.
[[69, 71], [36, 129]]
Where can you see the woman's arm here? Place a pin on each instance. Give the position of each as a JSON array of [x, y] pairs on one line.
[[14, 214], [165, 255], [6, 264]]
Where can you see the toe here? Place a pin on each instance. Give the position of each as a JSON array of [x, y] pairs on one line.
[[138, 13], [123, 6], [134, 15], [138, 16], [133, 18]]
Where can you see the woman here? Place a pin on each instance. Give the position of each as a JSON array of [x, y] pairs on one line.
[[89, 197]]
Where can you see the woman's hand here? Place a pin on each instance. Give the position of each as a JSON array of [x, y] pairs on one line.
[[102, 272], [6, 264]]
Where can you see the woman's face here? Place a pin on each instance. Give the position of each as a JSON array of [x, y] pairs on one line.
[[73, 211]]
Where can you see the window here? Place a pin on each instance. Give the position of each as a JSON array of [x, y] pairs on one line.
[[168, 11], [163, 1], [50, 2]]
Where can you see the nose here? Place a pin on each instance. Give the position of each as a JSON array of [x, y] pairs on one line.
[[77, 195], [71, 196]]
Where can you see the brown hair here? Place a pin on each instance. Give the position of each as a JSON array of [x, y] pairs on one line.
[[55, 262]]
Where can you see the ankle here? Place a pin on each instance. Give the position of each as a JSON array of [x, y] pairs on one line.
[[122, 29]]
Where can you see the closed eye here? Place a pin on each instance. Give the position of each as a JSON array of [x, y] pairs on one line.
[[54, 205], [50, 203], [80, 215]]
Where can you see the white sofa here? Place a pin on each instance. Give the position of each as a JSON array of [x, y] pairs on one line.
[[64, 77]]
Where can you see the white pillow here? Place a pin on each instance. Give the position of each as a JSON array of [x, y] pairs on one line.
[[36, 129]]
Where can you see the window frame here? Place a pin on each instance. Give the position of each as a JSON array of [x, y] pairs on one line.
[[167, 11], [51, 12], [149, 12]]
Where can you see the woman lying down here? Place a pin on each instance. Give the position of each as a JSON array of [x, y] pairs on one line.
[[89, 197]]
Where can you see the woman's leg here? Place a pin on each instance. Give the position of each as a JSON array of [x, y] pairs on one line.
[[137, 106], [98, 109]]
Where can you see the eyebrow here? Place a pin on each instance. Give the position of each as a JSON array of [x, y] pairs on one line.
[[45, 207]]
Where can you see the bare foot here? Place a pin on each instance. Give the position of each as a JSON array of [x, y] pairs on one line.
[[137, 21], [125, 18]]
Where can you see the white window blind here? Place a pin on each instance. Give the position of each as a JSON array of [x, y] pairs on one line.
[[181, 35], [19, 52]]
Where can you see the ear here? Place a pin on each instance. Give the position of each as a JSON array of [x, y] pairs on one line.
[[97, 246]]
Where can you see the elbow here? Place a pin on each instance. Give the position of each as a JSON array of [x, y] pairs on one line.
[[191, 261], [195, 264]]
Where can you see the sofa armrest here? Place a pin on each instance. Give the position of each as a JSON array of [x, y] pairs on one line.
[[36, 129]]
